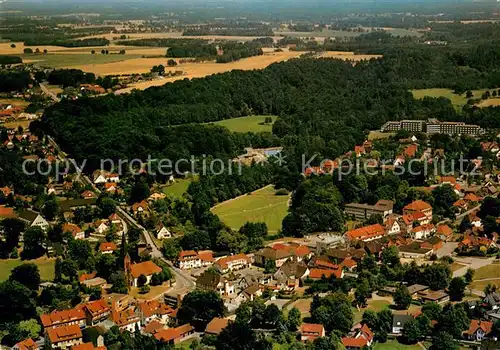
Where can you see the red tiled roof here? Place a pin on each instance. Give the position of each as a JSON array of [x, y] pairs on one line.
[[64, 333], [170, 334], [223, 262], [418, 205], [472, 197], [71, 228], [411, 150], [61, 317], [460, 203], [444, 230], [366, 232], [27, 344], [206, 256], [87, 346], [87, 276], [315, 328], [154, 307], [475, 325], [188, 255], [319, 262], [349, 263], [7, 212], [216, 325], [449, 179], [354, 342], [145, 268], [319, 273], [97, 307], [153, 327], [107, 246], [367, 332]]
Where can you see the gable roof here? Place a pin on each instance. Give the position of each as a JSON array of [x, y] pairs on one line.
[[64, 333], [61, 317], [223, 262], [365, 232], [7, 213], [170, 334], [444, 230], [216, 325], [209, 279], [319, 273], [97, 307], [153, 327], [26, 344], [476, 325], [107, 246], [350, 342], [312, 328], [28, 215], [145, 268], [417, 205]]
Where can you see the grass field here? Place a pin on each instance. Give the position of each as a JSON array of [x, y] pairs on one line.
[[375, 135], [46, 267], [14, 101], [457, 100], [488, 271], [178, 188], [348, 55], [260, 206], [394, 345], [254, 123], [374, 305]]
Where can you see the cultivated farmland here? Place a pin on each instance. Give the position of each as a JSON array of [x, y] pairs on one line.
[[259, 206]]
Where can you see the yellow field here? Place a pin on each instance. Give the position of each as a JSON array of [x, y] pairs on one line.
[[491, 102], [16, 124], [348, 55], [191, 70], [14, 101], [178, 35]]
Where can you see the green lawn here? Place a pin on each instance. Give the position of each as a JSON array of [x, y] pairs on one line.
[[457, 100], [62, 60], [394, 345], [46, 267], [374, 305], [260, 206], [178, 188], [254, 123]]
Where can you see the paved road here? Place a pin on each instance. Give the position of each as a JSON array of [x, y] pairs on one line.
[[471, 262], [52, 95]]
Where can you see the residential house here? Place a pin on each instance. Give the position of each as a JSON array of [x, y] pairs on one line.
[[206, 257], [162, 232], [126, 320], [90, 345], [146, 268], [33, 219], [215, 282], [290, 272], [433, 243], [188, 259], [392, 225], [362, 338], [461, 205], [365, 234], [398, 322], [102, 176], [141, 208], [348, 264], [492, 301], [75, 231], [96, 311], [114, 219], [249, 293], [26, 344], [64, 337], [101, 226], [232, 263], [95, 282], [152, 328], [153, 310], [444, 232], [216, 326], [316, 274], [75, 316], [279, 256], [311, 331], [88, 194], [418, 205], [175, 335], [107, 247], [478, 330], [422, 231]]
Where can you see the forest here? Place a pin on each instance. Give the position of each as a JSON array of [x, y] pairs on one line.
[[324, 106], [12, 80]]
